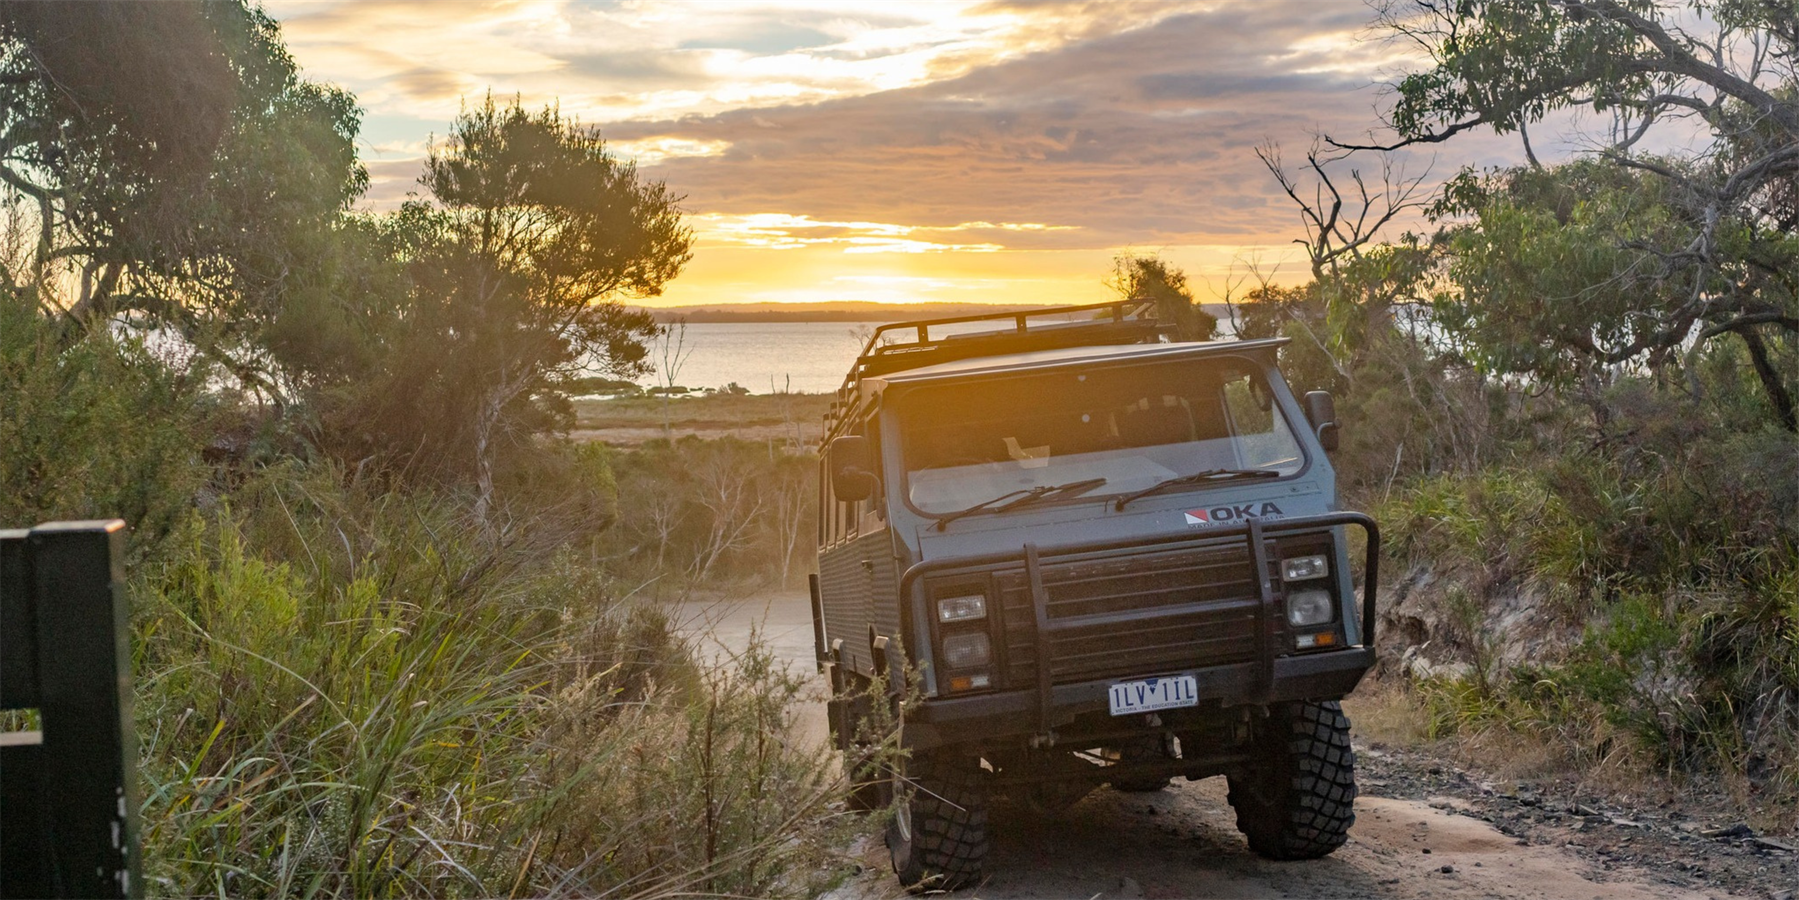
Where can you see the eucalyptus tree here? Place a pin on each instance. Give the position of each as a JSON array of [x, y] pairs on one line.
[[532, 236], [1625, 257], [171, 166]]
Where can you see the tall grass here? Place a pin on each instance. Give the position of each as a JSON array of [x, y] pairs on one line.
[[348, 693], [346, 686]]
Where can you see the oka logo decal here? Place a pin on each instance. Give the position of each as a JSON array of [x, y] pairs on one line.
[[1219, 514]]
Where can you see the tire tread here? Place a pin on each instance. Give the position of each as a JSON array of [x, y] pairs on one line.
[[1313, 785], [949, 825]]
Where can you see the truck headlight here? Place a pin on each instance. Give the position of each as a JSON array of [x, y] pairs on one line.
[[1311, 607], [966, 608], [965, 651], [1302, 568]]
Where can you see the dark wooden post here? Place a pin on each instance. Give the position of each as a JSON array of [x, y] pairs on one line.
[[68, 793]]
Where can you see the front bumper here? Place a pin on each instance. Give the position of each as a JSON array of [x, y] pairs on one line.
[[1015, 714]]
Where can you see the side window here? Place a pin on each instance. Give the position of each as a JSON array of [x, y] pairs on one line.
[[836, 519], [824, 502], [877, 503], [852, 511]]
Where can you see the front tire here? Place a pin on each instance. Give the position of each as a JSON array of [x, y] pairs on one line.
[[938, 835], [1300, 802]]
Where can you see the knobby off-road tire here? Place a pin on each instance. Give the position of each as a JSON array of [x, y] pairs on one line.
[[938, 835], [1300, 803]]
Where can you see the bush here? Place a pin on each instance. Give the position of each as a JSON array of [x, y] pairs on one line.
[[347, 693], [1672, 544], [94, 427], [715, 509]]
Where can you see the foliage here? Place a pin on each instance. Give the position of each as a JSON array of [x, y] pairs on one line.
[[1627, 258], [348, 693], [355, 675], [1565, 273], [1363, 334], [190, 179], [597, 385], [94, 427], [714, 509], [1151, 279], [107, 70], [513, 274], [1559, 403], [1669, 545]]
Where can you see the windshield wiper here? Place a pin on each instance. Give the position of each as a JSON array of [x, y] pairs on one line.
[[1019, 498], [1195, 478]]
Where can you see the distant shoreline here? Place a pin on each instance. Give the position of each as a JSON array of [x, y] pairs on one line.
[[850, 311], [828, 312]]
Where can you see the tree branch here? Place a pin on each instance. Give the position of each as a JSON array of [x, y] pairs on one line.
[[1678, 60], [1436, 137]]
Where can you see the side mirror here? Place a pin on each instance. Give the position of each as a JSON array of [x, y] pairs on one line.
[[1321, 411], [852, 475]]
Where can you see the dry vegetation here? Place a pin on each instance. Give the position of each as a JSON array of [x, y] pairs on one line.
[[791, 420]]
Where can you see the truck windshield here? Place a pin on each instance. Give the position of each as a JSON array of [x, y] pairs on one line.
[[1133, 426]]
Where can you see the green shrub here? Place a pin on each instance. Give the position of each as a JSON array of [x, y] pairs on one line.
[[351, 694], [93, 426], [1673, 546]]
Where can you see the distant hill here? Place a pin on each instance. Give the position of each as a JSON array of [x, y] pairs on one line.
[[847, 311]]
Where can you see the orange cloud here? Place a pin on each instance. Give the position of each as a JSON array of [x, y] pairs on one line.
[[960, 150]]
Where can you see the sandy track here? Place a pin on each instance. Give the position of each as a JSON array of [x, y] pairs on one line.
[[1181, 842]]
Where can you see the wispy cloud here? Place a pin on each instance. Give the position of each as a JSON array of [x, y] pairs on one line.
[[650, 151], [996, 141], [650, 59], [784, 231]]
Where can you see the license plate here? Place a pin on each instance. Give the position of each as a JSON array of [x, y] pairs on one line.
[[1151, 694]]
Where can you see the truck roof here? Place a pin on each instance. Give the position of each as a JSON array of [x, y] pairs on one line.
[[1064, 356], [908, 352]]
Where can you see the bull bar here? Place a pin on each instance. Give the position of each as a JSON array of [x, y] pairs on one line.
[[1320, 673]]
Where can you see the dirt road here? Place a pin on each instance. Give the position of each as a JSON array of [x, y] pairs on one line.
[[1181, 842]]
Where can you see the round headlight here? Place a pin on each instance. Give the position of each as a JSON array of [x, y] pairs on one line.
[[1312, 607]]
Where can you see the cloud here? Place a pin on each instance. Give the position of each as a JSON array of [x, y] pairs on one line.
[[1043, 136], [656, 58], [781, 231], [651, 151], [1142, 136], [429, 84]]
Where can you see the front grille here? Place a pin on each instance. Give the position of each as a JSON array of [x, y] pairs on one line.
[[1219, 630]]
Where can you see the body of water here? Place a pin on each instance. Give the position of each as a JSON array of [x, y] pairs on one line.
[[811, 357]]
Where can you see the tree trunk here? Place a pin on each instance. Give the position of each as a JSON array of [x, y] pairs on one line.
[[487, 424], [1770, 377]]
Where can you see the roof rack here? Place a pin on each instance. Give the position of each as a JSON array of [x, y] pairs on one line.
[[1116, 322]]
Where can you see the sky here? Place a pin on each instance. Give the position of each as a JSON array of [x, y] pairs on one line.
[[956, 150]]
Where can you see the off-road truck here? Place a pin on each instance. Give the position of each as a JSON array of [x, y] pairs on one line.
[[1083, 554]]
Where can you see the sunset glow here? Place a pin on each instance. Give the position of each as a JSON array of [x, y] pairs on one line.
[[962, 151]]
